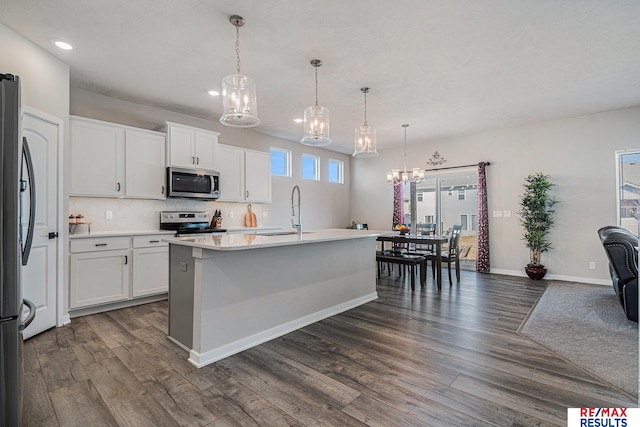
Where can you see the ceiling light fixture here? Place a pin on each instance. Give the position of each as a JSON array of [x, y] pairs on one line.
[[397, 176], [316, 119], [240, 108], [365, 135], [62, 44]]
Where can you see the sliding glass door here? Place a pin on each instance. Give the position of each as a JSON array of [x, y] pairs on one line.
[[628, 194], [446, 200]]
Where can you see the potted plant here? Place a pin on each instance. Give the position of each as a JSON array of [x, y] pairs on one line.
[[537, 218]]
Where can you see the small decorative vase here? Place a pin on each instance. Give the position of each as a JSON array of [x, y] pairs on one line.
[[535, 272]]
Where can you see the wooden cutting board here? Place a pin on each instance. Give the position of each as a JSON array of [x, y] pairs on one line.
[[250, 219]]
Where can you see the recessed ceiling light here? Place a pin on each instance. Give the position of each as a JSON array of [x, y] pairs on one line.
[[62, 45], [298, 120], [213, 93]]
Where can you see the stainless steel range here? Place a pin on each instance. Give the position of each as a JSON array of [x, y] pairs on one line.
[[185, 223]]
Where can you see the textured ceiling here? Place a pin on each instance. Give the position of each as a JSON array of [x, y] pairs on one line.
[[447, 67]]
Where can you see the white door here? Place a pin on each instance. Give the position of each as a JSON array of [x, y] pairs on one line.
[[40, 273]]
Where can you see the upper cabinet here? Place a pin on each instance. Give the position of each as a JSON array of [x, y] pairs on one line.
[[190, 147], [245, 175], [111, 160], [97, 158], [144, 164]]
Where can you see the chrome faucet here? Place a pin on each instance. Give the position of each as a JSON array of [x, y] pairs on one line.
[[297, 226]]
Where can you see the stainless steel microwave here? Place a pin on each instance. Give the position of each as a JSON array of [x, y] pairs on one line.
[[193, 183]]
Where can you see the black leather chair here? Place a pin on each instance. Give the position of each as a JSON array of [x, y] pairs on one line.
[[621, 245]]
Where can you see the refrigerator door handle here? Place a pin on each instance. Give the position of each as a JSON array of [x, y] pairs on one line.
[[26, 251], [31, 316]]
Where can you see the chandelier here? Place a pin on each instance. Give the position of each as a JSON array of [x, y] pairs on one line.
[[316, 119], [240, 108], [397, 176], [365, 135]]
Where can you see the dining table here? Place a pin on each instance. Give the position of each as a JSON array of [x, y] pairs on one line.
[[406, 239]]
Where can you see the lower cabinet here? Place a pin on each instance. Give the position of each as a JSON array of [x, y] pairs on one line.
[[150, 266], [113, 269]]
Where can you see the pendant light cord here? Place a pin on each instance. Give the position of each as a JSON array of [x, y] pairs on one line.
[[365, 108], [238, 48], [405, 146], [316, 86]]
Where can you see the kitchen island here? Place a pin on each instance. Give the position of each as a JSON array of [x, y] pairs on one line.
[[230, 292]]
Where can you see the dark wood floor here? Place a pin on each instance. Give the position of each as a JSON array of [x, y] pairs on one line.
[[407, 359]]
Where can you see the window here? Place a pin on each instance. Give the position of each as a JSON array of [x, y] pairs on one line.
[[310, 167], [419, 196], [336, 171], [280, 162], [464, 221], [461, 194], [474, 222]]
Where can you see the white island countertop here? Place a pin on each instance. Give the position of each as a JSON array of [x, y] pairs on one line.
[[235, 242]]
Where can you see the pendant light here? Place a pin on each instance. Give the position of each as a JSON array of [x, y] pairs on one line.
[[397, 176], [240, 108], [316, 119], [365, 135]]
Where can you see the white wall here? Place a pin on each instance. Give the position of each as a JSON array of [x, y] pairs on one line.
[[324, 205], [578, 153]]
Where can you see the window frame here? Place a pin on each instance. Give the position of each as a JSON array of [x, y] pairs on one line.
[[316, 162], [287, 159], [340, 165]]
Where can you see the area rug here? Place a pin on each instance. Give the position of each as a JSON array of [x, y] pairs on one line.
[[586, 325]]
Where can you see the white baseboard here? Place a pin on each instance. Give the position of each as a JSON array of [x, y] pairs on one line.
[[588, 280], [208, 357]]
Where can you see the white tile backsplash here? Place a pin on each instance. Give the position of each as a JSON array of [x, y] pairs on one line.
[[138, 214]]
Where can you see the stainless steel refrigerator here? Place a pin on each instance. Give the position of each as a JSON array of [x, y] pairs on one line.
[[16, 175]]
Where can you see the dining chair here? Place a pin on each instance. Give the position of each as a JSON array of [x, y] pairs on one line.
[[450, 254]]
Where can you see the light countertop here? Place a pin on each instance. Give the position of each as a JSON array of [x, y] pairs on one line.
[[235, 242], [124, 233]]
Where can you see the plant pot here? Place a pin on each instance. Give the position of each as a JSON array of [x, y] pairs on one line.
[[535, 272]]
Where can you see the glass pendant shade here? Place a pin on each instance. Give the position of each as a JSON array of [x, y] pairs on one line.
[[365, 142], [240, 108], [316, 126]]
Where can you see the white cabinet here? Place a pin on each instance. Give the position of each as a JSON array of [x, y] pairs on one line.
[[190, 147], [97, 158], [257, 175], [230, 164], [245, 175], [150, 266], [99, 271], [144, 164], [115, 269], [110, 160]]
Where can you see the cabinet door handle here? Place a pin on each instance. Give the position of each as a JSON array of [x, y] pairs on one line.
[[193, 160], [101, 244], [162, 191], [118, 187], [197, 160], [154, 241], [126, 259]]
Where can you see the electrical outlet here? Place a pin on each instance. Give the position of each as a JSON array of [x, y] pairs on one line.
[[497, 214], [230, 214], [183, 266], [108, 214], [592, 265]]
